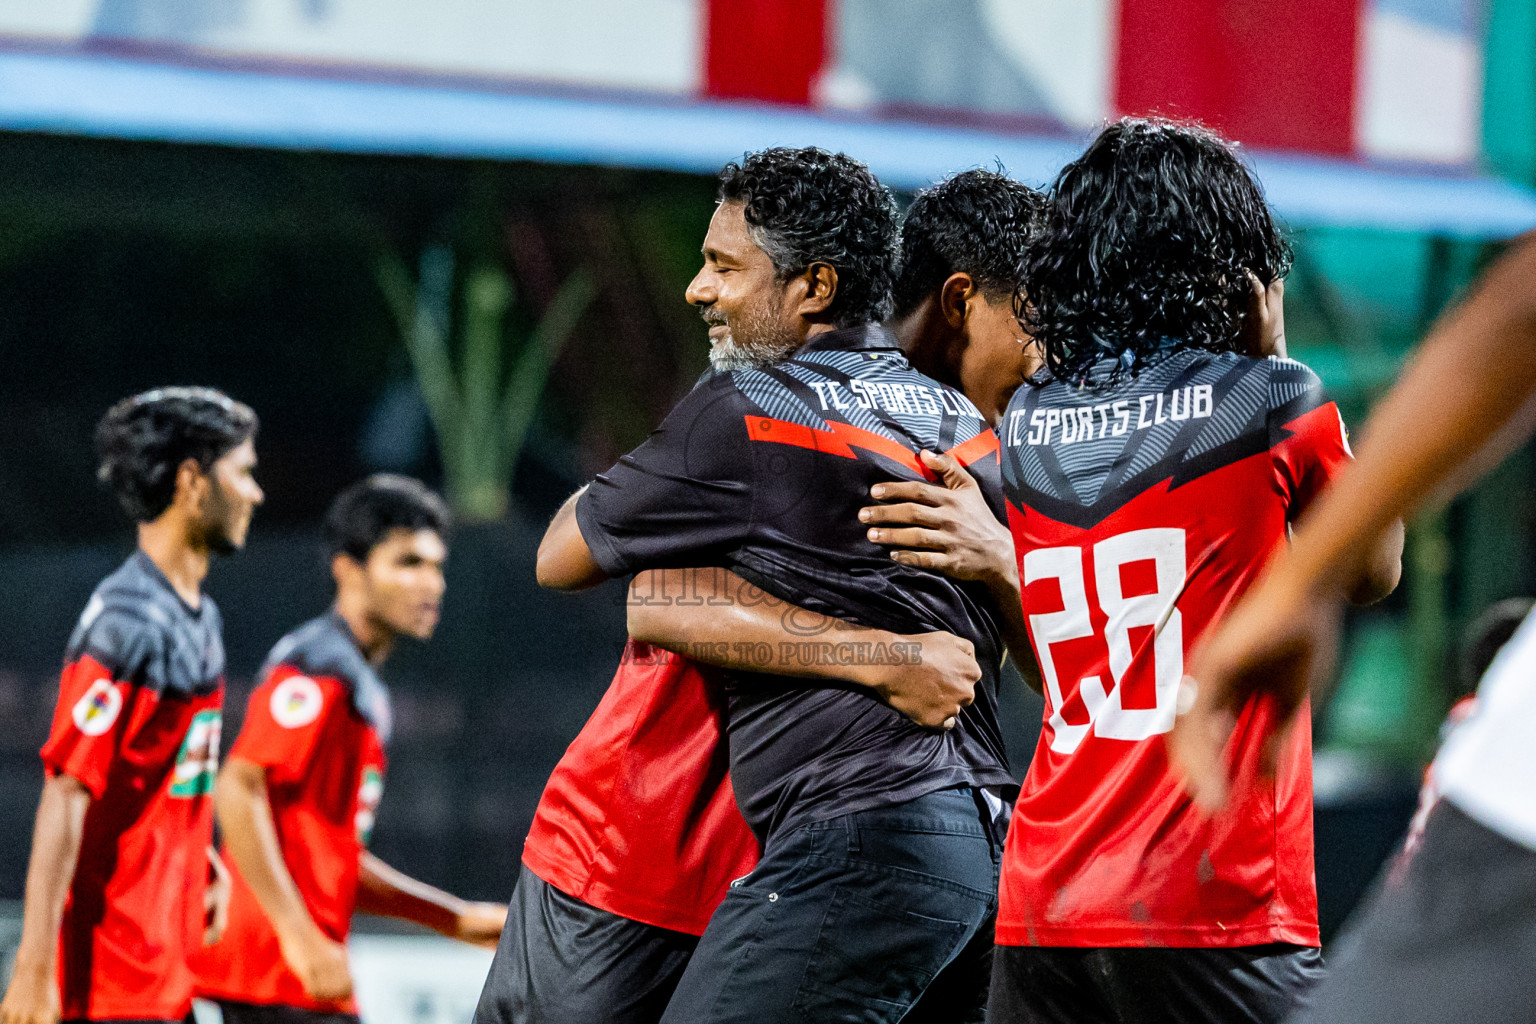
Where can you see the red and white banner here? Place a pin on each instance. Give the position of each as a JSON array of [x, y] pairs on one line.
[[1394, 79], [1391, 79]]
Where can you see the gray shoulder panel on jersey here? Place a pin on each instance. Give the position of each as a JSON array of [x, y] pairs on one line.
[[324, 646], [1294, 390], [143, 634], [1290, 380], [123, 636], [1239, 410], [875, 391], [768, 393], [1183, 417]]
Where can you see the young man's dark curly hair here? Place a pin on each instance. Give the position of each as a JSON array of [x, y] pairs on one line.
[[142, 441], [1149, 242], [362, 516], [977, 222], [806, 206]]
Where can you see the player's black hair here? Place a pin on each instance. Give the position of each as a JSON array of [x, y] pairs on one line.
[[1489, 632], [807, 206], [978, 222], [365, 513], [142, 441], [1146, 249]]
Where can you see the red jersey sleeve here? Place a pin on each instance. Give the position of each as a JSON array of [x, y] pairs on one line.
[[284, 721], [88, 724], [1308, 441]]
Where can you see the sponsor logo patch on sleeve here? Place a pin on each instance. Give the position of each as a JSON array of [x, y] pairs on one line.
[[296, 702], [98, 708]]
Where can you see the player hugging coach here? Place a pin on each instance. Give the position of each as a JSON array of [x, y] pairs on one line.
[[1149, 477]]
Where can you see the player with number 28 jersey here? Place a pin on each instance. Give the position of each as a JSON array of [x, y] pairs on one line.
[[1139, 513]]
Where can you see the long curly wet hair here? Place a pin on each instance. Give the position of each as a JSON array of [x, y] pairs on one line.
[[807, 206], [1149, 239]]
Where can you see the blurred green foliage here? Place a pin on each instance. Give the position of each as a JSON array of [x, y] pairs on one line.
[[481, 415]]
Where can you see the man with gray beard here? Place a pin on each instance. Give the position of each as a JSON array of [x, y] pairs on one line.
[[880, 840]]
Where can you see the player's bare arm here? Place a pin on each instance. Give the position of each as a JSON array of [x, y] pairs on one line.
[[1463, 403], [388, 892], [947, 527], [565, 562], [728, 622], [250, 838], [33, 995]]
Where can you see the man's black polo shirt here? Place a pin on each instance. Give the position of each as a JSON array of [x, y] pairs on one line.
[[763, 471]]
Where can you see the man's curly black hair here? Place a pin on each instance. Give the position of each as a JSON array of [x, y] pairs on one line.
[[142, 441], [365, 513], [1149, 240], [977, 222], [806, 206]]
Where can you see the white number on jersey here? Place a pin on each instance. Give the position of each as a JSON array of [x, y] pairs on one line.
[[1107, 715]]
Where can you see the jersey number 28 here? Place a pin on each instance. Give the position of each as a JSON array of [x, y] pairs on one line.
[[1107, 715]]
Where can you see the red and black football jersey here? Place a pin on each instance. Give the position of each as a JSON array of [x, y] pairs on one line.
[[318, 724], [1140, 512], [763, 471], [137, 722], [639, 818]]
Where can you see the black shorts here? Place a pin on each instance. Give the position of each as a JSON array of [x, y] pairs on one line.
[[878, 916], [1139, 985], [1450, 937], [562, 961], [255, 1013]]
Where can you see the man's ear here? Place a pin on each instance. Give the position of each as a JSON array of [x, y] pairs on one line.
[[191, 485], [954, 293], [344, 568], [820, 289]]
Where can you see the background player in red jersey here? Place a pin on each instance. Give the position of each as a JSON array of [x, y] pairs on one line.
[[118, 892], [1149, 478], [297, 799], [1452, 938]]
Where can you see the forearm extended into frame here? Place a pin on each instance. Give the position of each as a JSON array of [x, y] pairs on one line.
[[388, 892]]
